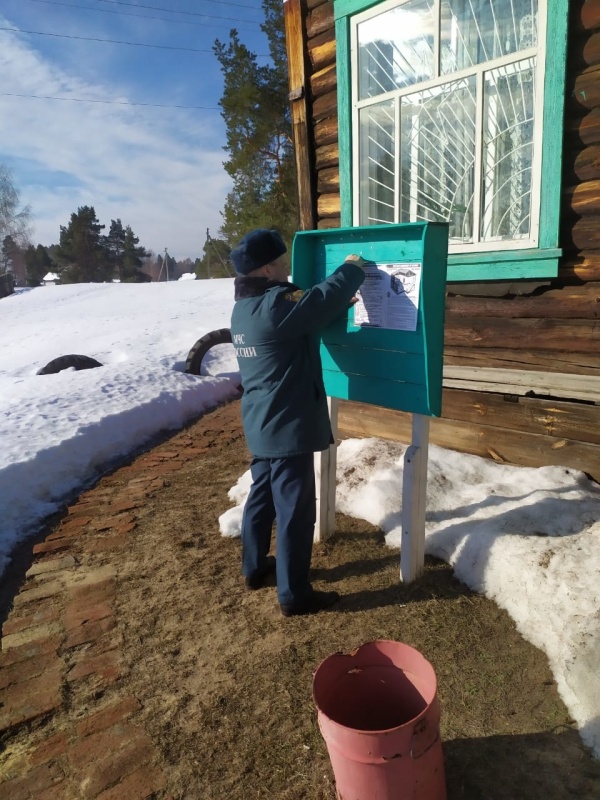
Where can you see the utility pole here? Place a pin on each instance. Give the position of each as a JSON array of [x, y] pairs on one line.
[[211, 242], [167, 263], [207, 253], [223, 264]]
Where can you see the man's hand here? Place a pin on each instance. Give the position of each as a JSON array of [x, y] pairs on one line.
[[358, 260]]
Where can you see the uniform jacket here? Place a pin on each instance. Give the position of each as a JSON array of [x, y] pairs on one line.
[[275, 331]]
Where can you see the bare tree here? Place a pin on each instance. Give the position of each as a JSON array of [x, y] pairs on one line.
[[14, 221]]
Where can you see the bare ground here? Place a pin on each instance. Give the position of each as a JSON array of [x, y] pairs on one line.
[[225, 680]]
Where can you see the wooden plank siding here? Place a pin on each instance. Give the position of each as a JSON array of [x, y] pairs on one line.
[[503, 443], [545, 327]]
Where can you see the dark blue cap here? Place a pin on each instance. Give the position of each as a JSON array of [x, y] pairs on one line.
[[257, 248]]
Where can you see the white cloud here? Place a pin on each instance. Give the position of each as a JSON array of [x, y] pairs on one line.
[[159, 170]]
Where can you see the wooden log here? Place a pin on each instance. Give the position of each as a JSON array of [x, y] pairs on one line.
[[584, 51], [327, 223], [301, 129], [549, 292], [582, 130], [583, 199], [588, 15], [328, 180], [584, 234], [321, 50], [515, 289], [586, 90], [586, 164], [325, 106], [320, 19], [326, 131], [563, 420], [554, 304], [575, 335], [590, 52], [502, 444], [328, 205], [494, 288], [523, 383], [323, 81], [310, 4], [576, 363], [583, 267], [573, 292], [327, 156]]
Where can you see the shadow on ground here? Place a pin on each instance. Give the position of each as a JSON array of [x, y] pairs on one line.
[[520, 767]]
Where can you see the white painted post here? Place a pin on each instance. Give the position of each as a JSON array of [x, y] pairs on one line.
[[414, 495], [325, 463]]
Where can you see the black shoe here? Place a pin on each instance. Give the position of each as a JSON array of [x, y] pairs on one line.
[[316, 602], [257, 580]]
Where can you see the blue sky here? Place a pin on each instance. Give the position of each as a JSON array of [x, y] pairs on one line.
[[159, 170]]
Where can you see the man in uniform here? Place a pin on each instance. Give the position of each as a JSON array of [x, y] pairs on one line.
[[274, 328]]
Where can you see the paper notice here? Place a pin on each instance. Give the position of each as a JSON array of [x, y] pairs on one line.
[[389, 296]]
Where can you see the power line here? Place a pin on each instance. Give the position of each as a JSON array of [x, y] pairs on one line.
[[189, 13], [109, 41], [106, 102], [144, 16]]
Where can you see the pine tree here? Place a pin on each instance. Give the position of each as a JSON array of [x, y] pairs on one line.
[[132, 258], [126, 256], [37, 263], [115, 244], [215, 261], [82, 254], [256, 112]]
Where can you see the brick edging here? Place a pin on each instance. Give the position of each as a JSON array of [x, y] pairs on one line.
[[60, 641]]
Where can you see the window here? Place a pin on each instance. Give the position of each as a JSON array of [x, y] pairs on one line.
[[453, 113]]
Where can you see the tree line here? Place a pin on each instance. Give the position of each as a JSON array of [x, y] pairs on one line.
[[85, 254], [260, 162]]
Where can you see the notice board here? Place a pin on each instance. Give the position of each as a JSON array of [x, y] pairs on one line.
[[387, 349]]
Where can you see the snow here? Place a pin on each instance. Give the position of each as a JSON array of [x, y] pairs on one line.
[[526, 538], [59, 432]]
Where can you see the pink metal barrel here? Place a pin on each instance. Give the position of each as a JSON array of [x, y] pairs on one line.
[[379, 714]]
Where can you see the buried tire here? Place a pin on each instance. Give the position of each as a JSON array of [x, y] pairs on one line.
[[72, 361], [193, 363]]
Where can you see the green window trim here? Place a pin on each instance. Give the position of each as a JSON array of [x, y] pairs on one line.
[[505, 264]]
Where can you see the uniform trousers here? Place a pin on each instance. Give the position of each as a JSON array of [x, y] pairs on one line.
[[283, 491]]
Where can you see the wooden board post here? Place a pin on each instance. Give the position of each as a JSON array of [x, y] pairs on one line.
[[414, 495], [325, 467], [387, 350], [294, 12]]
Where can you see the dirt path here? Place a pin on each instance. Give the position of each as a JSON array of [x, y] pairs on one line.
[[136, 665]]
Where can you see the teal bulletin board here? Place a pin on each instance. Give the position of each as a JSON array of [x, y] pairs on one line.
[[388, 349]]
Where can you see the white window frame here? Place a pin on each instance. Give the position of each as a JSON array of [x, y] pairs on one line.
[[538, 52]]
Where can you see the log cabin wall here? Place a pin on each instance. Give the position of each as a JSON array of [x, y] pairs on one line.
[[521, 359]]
